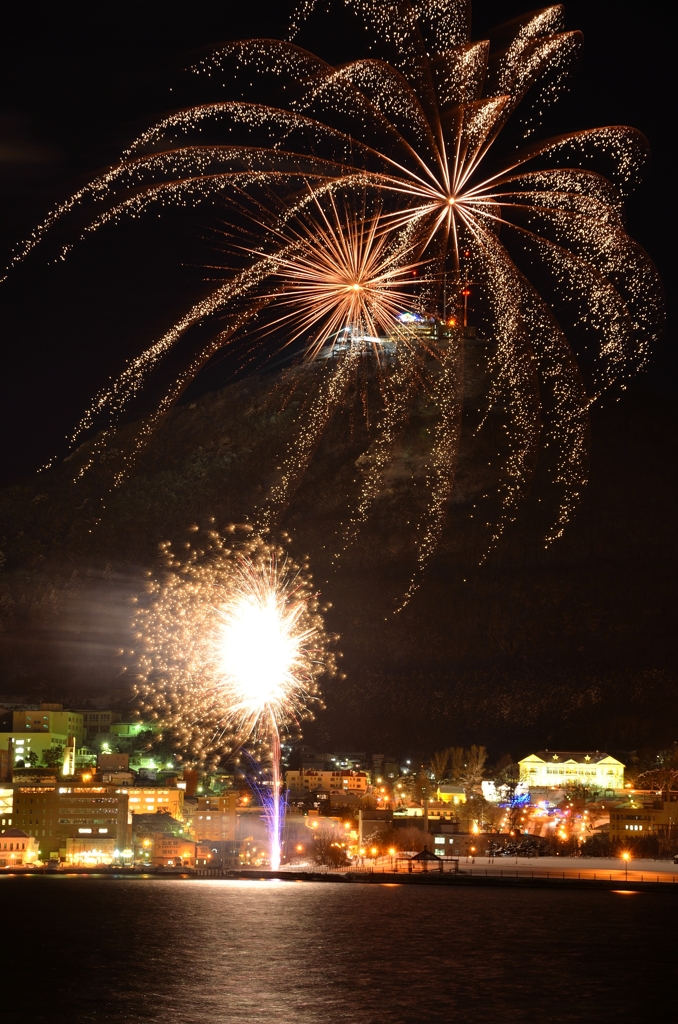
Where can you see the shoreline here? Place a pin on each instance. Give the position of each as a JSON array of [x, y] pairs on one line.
[[504, 878]]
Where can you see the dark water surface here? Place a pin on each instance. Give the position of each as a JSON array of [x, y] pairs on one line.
[[210, 952]]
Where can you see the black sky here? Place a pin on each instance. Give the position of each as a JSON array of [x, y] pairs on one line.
[[78, 81]]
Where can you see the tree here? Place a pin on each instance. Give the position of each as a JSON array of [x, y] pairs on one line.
[[326, 850], [418, 786], [479, 811], [457, 762], [579, 794], [410, 839], [53, 757], [472, 773], [439, 764], [663, 774]]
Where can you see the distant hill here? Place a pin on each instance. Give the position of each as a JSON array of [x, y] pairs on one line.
[[571, 646]]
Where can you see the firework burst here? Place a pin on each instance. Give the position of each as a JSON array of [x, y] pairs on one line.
[[439, 130], [231, 649]]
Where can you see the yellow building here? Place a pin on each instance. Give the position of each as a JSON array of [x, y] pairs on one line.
[[149, 799], [17, 848], [645, 814], [555, 769], [451, 795], [334, 782], [49, 718], [21, 745]]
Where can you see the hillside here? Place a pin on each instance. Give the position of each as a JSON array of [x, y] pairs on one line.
[[570, 646]]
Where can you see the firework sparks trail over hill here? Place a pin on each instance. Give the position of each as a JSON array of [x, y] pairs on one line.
[[440, 129], [232, 646]]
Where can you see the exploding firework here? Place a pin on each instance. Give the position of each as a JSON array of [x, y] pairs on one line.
[[439, 129], [232, 646]]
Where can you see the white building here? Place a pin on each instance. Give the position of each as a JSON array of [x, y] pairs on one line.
[[555, 769]]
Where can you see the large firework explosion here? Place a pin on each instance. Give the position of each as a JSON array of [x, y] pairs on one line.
[[230, 639], [430, 136], [231, 645]]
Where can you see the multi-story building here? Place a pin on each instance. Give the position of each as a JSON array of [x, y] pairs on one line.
[[16, 848], [48, 718], [25, 749], [645, 813], [555, 769], [6, 806], [173, 851], [89, 813], [334, 782], [215, 818], [98, 721], [384, 766], [149, 799], [27, 734]]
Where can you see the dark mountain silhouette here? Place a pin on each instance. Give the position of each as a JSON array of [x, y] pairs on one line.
[[567, 646]]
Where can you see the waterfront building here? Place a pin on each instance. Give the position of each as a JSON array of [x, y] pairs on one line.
[[17, 848], [92, 851], [53, 814], [556, 769], [173, 851]]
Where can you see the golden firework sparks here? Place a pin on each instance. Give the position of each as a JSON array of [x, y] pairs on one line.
[[417, 124], [231, 649]]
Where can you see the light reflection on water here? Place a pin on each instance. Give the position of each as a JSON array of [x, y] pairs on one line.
[[126, 951]]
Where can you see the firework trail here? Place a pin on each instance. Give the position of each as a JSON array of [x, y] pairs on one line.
[[439, 130], [231, 646]]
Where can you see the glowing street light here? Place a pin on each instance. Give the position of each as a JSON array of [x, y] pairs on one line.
[[626, 857]]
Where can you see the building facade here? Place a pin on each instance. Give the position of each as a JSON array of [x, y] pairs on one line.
[[215, 818], [50, 718], [645, 814], [334, 782], [173, 851], [149, 799], [17, 848], [98, 721], [556, 769], [55, 814]]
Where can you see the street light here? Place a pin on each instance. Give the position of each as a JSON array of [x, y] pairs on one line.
[[626, 856]]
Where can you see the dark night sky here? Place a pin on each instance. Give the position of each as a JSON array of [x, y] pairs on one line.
[[78, 82]]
